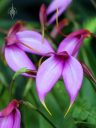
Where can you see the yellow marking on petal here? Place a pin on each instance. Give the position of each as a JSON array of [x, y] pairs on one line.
[[43, 103], [57, 17], [68, 110], [40, 61], [31, 48], [43, 34]]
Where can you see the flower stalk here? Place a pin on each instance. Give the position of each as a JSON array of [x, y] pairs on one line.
[[29, 105]]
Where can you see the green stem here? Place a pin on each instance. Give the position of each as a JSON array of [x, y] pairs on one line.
[[46, 118], [11, 88], [82, 122], [51, 38], [26, 103]]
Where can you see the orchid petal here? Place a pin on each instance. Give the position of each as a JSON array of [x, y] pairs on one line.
[[47, 75], [58, 4], [61, 5], [53, 6], [72, 76], [17, 59], [7, 121], [72, 43], [33, 40], [53, 17], [17, 119]]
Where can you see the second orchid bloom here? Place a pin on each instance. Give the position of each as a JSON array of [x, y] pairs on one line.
[[18, 44]]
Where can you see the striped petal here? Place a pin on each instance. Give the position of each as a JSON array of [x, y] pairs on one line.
[[72, 76], [47, 75], [32, 42]]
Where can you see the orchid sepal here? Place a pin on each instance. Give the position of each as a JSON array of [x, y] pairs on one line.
[[44, 105]]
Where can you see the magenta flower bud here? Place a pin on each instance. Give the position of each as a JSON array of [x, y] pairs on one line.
[[61, 5], [42, 15], [10, 117]]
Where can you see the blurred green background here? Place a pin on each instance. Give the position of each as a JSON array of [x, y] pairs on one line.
[[81, 14]]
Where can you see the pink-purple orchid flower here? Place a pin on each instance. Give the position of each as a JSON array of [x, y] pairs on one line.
[[61, 5], [10, 117], [62, 63], [16, 46]]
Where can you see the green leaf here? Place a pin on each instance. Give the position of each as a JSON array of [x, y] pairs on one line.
[[3, 80], [3, 5], [90, 24], [28, 87], [19, 72]]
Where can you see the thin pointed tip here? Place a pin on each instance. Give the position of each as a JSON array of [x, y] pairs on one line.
[[43, 103], [43, 34], [68, 110], [57, 17]]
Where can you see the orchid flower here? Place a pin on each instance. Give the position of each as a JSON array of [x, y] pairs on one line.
[[17, 44], [62, 63], [61, 5], [10, 117]]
